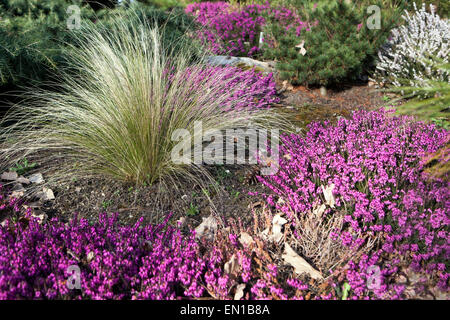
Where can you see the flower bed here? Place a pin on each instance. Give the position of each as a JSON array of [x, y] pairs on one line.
[[369, 169], [123, 262], [250, 88], [115, 262], [366, 170], [236, 30]]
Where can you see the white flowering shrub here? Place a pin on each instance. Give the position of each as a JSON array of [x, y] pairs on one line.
[[409, 57]]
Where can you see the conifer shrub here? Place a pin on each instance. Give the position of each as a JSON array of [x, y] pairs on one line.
[[32, 34], [336, 44], [35, 40]]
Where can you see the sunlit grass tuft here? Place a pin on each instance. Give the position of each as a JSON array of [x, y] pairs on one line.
[[119, 102]]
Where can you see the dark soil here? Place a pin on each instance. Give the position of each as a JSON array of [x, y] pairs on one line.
[[88, 197]]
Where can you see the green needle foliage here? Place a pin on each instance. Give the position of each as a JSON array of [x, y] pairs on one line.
[[32, 34], [339, 45], [34, 38], [118, 106], [165, 4]]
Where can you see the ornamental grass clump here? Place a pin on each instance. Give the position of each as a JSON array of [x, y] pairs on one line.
[[370, 169], [120, 102]]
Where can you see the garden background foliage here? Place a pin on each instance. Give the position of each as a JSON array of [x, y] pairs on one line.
[[337, 43], [35, 40]]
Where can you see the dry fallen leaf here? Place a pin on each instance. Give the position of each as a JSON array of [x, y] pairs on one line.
[[301, 47], [277, 224], [300, 265], [239, 291], [318, 211], [41, 217], [17, 194], [287, 86], [90, 256], [245, 239], [255, 204], [328, 194], [232, 266], [207, 228]]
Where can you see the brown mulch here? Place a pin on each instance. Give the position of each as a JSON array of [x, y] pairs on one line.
[[305, 105]]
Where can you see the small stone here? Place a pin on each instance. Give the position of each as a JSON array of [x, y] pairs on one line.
[[207, 228], [9, 176], [17, 194], [41, 217], [36, 178], [236, 61], [23, 180], [46, 194]]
